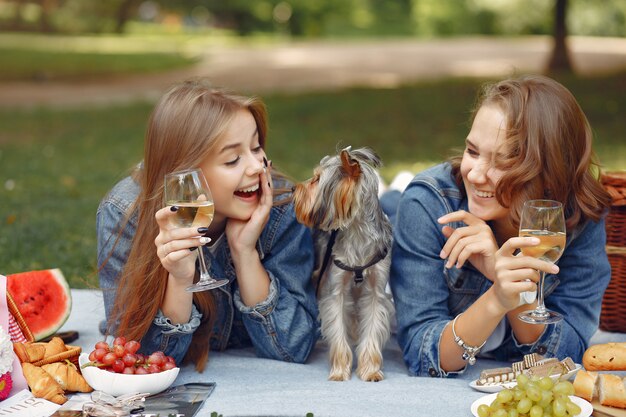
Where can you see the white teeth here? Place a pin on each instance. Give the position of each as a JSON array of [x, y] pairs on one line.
[[249, 189], [483, 194]]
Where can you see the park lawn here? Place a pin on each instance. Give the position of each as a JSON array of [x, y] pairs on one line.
[[58, 164]]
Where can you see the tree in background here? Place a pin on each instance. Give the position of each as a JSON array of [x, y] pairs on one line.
[[559, 59]]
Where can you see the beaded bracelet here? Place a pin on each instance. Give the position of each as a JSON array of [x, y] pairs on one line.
[[469, 352]]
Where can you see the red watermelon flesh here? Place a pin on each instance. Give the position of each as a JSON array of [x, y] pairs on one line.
[[43, 298]]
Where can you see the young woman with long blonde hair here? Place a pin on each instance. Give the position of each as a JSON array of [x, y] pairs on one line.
[[255, 241]]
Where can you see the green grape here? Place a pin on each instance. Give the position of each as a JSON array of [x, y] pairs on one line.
[[546, 398], [505, 396], [572, 409], [564, 388], [558, 407], [518, 394], [500, 413], [522, 381], [533, 393], [536, 411], [513, 413], [524, 405], [483, 410], [546, 383]]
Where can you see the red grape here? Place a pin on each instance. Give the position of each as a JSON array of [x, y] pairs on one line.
[[120, 340], [109, 359], [132, 346], [122, 357], [102, 345]]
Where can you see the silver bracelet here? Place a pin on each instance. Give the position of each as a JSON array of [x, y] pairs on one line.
[[469, 352]]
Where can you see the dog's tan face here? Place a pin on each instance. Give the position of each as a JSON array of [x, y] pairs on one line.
[[328, 200], [304, 199]]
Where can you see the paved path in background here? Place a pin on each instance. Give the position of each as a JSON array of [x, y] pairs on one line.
[[306, 66]]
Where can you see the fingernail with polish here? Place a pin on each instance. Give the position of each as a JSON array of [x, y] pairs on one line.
[[204, 240], [269, 185], [174, 208], [265, 162], [203, 230], [193, 249]]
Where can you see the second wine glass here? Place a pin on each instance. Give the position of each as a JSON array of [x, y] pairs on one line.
[[189, 191], [544, 220]]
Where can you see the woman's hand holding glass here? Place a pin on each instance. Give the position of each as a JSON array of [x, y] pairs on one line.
[[188, 195], [474, 243], [173, 245], [517, 274]]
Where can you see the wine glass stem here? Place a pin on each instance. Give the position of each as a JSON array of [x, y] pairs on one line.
[[204, 272], [541, 308]]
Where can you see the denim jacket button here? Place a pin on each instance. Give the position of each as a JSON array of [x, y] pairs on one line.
[[432, 372], [541, 349]]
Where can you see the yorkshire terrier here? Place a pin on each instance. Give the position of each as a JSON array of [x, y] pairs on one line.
[[353, 241]]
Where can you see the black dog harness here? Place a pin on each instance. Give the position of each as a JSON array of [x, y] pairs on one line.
[[357, 270]]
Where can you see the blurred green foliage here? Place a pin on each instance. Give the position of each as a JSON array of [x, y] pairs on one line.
[[316, 18], [56, 165]]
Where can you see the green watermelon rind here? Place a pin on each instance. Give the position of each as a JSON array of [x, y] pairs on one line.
[[60, 280]]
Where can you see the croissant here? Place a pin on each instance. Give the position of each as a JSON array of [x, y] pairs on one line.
[[54, 347], [43, 385], [29, 352], [67, 376]]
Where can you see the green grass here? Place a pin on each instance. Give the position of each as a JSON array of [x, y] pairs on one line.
[[56, 165]]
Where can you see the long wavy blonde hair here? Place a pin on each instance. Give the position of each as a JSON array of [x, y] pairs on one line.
[[183, 127], [547, 149]]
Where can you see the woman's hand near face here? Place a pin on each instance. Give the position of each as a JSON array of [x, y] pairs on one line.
[[513, 272], [244, 234], [474, 243], [173, 246], [254, 282]]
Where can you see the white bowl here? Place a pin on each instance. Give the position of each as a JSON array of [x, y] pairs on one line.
[[120, 384]]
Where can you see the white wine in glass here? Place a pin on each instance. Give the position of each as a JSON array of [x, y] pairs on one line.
[[189, 191], [544, 220]]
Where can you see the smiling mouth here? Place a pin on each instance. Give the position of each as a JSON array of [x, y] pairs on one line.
[[248, 192], [483, 194]]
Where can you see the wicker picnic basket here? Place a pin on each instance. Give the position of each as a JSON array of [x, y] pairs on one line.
[[613, 314], [19, 318]]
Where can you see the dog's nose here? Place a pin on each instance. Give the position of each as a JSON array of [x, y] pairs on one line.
[[293, 189]]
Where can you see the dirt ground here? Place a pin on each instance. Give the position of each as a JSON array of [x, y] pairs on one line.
[[306, 66]]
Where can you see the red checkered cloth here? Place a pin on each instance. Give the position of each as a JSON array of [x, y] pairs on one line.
[[14, 330]]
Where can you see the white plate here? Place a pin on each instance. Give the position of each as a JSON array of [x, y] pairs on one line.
[[499, 386], [585, 407]]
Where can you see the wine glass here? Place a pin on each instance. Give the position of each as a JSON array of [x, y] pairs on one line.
[[189, 191], [544, 220]]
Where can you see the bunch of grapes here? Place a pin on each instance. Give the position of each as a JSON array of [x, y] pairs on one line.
[[122, 358], [536, 397]]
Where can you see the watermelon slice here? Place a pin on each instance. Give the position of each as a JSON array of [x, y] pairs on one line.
[[43, 298]]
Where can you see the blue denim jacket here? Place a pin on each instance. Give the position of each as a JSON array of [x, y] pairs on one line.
[[283, 327], [428, 296]]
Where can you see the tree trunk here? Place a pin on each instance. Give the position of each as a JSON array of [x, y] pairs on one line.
[[123, 14], [560, 60]]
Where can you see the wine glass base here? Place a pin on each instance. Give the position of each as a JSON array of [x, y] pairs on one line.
[[206, 285], [534, 317]]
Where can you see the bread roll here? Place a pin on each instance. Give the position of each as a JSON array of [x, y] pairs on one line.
[[585, 385], [612, 391], [605, 357]]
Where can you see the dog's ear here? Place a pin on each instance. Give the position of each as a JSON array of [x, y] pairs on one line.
[[349, 165]]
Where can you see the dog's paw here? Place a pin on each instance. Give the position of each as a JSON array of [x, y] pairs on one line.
[[371, 376], [339, 375]]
